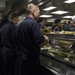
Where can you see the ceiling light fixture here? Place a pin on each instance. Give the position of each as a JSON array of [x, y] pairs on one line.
[[69, 1], [49, 8], [67, 16], [45, 16], [40, 3], [59, 12]]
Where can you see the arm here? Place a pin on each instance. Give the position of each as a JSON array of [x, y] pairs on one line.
[[45, 41], [39, 38]]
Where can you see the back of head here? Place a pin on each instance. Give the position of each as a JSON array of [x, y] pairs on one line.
[[57, 20], [31, 8], [12, 16]]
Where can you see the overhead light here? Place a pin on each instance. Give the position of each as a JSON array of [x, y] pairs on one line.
[[40, 3], [69, 1], [60, 12], [49, 8], [45, 16], [67, 17]]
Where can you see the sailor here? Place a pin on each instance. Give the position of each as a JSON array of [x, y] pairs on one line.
[[8, 34], [29, 41]]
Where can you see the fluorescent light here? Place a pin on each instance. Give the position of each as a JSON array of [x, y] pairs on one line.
[[59, 12], [49, 8], [40, 3], [69, 1], [45, 16], [67, 16]]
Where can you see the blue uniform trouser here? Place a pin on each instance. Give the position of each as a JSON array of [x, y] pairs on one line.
[[28, 66], [0, 62], [9, 59]]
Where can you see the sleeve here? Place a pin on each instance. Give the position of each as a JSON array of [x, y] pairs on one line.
[[36, 31]]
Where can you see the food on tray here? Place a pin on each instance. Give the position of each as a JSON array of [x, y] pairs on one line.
[[64, 42]]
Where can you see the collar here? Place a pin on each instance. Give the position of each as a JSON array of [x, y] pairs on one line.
[[10, 22], [28, 17]]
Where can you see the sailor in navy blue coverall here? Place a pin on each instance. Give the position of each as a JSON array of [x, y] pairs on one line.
[[58, 25], [9, 46], [0, 52], [29, 42], [3, 22]]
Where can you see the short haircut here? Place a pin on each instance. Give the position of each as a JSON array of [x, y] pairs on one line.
[[12, 15], [31, 7], [57, 20]]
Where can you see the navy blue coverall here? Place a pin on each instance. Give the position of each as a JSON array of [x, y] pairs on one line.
[[8, 51], [29, 37], [0, 51]]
